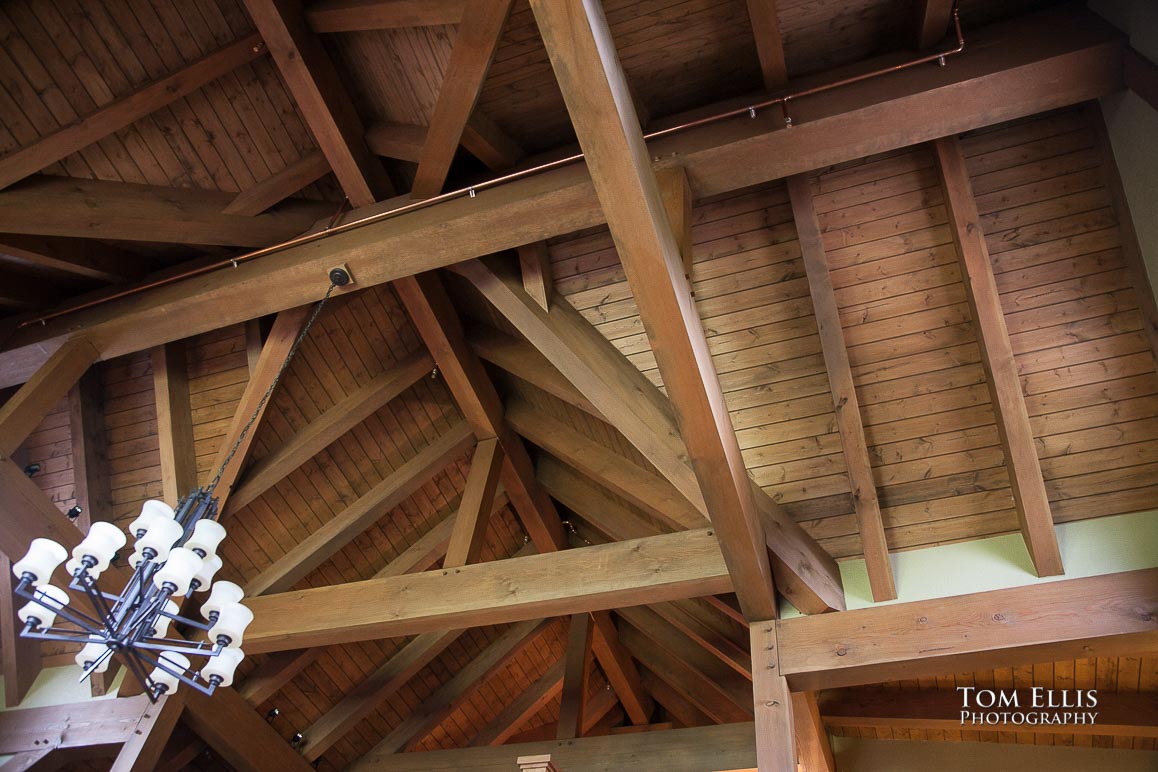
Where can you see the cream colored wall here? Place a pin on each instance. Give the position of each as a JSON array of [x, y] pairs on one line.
[[1133, 125]]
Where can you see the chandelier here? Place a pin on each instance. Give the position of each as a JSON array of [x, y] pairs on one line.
[[175, 556]]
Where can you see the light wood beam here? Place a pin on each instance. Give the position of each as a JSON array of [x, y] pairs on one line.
[[320, 94], [769, 44], [127, 110], [86, 258], [1119, 714], [74, 725], [19, 657], [277, 671], [329, 427], [402, 141], [271, 191], [142, 750], [662, 568], [933, 22], [620, 669], [470, 523], [524, 361], [44, 205], [576, 675], [1063, 57], [174, 421], [676, 193], [535, 267], [474, 47], [338, 531], [277, 347], [775, 734], [428, 715], [812, 743], [1017, 440], [533, 699], [89, 449], [602, 705], [357, 15], [1097, 616], [625, 398], [239, 735], [25, 409], [863, 489]]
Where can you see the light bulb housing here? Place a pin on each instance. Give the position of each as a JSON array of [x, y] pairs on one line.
[[43, 557]]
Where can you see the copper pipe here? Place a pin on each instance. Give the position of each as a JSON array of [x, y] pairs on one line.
[[471, 190]]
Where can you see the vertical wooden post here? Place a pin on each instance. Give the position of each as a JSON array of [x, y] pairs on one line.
[[143, 749], [89, 450], [535, 265], [575, 677], [19, 657], [1025, 475], [474, 509], [775, 737], [174, 421], [677, 202]]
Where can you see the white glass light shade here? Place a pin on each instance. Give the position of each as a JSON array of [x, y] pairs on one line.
[[46, 616], [161, 629], [233, 620], [44, 555], [178, 570], [176, 662], [151, 511], [207, 534], [102, 542], [73, 564], [223, 594], [223, 665], [160, 537], [210, 565], [91, 653], [136, 559]]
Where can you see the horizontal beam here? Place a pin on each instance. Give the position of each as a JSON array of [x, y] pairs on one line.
[[84, 258], [76, 725], [1097, 616], [651, 570], [727, 746], [1014, 69]]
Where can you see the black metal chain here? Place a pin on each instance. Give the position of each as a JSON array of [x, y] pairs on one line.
[[273, 385]]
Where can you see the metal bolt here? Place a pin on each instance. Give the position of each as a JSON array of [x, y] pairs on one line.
[[471, 193], [941, 60], [999, 617], [751, 112], [841, 651]]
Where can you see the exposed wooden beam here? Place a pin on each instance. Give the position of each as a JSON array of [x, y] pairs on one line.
[[432, 711], [470, 522], [403, 141], [576, 675], [769, 44], [142, 750], [866, 505], [63, 206], [933, 22], [328, 427], [86, 423], [1119, 715], [19, 656], [524, 361], [1025, 476], [474, 47], [619, 668], [481, 136], [666, 567], [1060, 58], [174, 421], [273, 190], [277, 346], [320, 94], [676, 193], [25, 409], [533, 699], [339, 530], [812, 744], [277, 671], [625, 398], [1096, 616], [356, 15], [775, 732], [86, 258], [127, 110], [239, 735], [74, 725], [602, 705], [535, 267], [28, 513], [1142, 77]]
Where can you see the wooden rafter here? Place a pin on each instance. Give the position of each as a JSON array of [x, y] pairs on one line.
[[866, 505], [478, 38], [576, 675], [470, 522], [1118, 614], [142, 750], [89, 449], [127, 110], [533, 699], [932, 22], [1142, 76], [25, 409], [481, 136], [84, 258], [356, 15], [535, 267], [238, 733], [319, 93], [174, 421], [624, 397], [769, 45], [75, 725], [19, 656], [308, 169], [990, 83], [1017, 440]]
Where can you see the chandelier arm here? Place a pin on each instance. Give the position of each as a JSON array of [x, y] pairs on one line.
[[96, 663], [185, 647], [57, 634], [78, 618], [159, 663], [132, 660], [96, 598]]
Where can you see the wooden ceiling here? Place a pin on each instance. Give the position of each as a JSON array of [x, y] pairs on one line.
[[367, 451]]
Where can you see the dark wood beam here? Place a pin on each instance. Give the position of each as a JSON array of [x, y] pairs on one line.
[[576, 675], [666, 567], [676, 192], [320, 94], [481, 136], [620, 669], [174, 421], [1096, 616], [142, 750], [470, 522], [866, 505], [61, 206], [535, 267], [273, 190], [85, 258], [769, 44], [1142, 77], [474, 47], [19, 656], [25, 409], [933, 22], [239, 735], [86, 423], [1004, 380], [127, 110], [533, 699], [1017, 68], [357, 15]]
